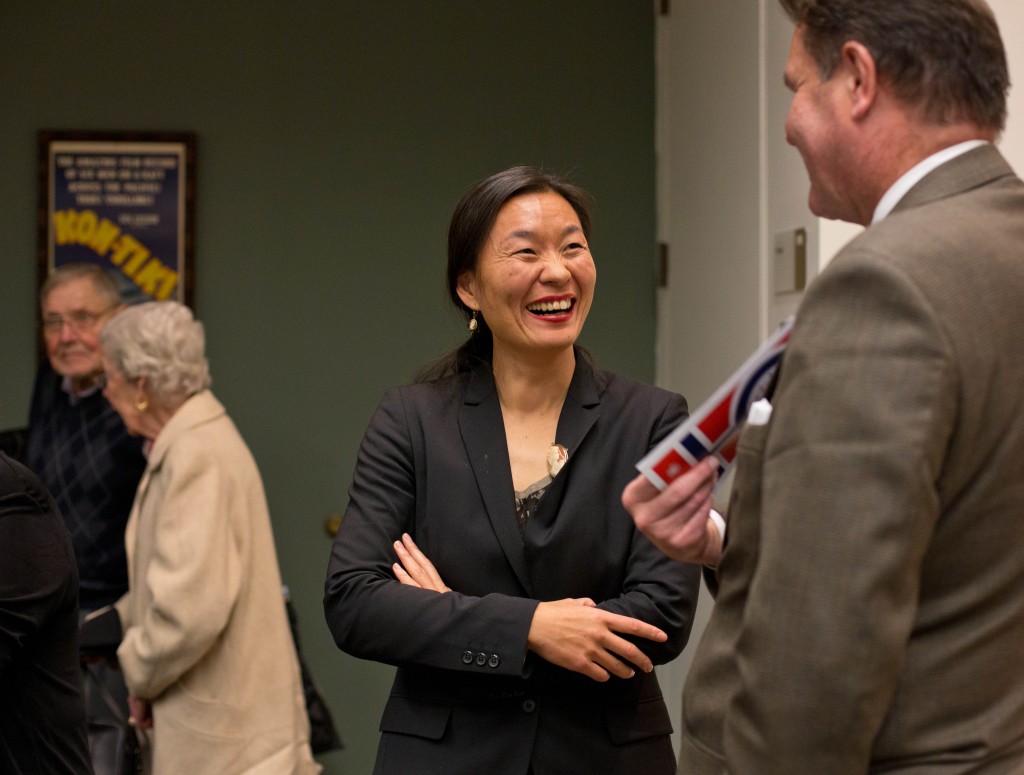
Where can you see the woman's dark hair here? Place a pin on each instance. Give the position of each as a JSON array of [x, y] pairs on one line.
[[470, 225]]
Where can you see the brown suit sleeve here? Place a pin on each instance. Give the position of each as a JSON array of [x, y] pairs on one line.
[[863, 413]]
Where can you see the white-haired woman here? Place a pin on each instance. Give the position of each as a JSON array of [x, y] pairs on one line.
[[206, 653]]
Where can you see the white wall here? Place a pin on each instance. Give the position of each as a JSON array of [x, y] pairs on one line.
[[709, 163], [1010, 15], [709, 184]]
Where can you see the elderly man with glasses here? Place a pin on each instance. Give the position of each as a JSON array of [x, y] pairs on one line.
[[78, 446]]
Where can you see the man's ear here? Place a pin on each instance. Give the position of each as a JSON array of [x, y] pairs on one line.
[[466, 288], [861, 78]]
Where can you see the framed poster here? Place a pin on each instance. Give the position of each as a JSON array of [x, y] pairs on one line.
[[124, 200]]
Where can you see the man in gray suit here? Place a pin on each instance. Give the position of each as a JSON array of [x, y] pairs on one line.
[[870, 607]]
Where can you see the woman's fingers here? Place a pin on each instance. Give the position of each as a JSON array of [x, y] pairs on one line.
[[402, 576], [408, 563], [573, 635], [424, 562], [627, 654], [634, 627], [417, 568]]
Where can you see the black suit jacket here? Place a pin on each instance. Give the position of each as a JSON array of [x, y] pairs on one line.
[[42, 718], [468, 697]]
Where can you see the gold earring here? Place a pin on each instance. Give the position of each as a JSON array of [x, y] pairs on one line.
[[141, 404], [473, 325]]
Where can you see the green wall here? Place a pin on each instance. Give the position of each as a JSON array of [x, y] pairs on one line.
[[334, 138]]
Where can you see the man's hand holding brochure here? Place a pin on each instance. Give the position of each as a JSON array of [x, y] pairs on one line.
[[672, 498]]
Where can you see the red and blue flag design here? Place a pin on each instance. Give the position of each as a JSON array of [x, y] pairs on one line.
[[714, 428]]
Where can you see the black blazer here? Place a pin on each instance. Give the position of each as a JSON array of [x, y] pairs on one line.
[[468, 697], [42, 718]]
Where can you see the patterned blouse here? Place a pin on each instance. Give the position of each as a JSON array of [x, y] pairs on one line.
[[527, 500]]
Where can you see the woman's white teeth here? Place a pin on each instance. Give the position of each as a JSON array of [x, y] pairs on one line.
[[551, 306]]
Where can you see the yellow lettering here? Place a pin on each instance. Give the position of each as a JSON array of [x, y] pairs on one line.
[[167, 286], [104, 236], [135, 260], [64, 225], [150, 276], [134, 264], [124, 246], [86, 227], [155, 274]]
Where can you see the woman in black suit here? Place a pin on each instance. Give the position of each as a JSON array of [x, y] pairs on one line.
[[485, 551]]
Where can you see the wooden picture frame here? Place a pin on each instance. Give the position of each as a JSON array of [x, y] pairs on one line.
[[123, 200]]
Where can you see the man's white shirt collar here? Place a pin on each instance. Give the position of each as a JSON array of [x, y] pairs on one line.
[[910, 178]]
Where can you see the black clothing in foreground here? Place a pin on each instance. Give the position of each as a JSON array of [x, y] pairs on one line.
[[42, 718]]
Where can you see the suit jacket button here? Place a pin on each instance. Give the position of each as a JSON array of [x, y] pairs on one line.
[[467, 657], [494, 661], [481, 658], [529, 706]]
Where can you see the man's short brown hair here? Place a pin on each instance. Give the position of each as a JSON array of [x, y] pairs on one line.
[[944, 56]]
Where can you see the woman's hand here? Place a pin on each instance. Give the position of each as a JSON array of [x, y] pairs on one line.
[[414, 569], [140, 713], [576, 635], [571, 633]]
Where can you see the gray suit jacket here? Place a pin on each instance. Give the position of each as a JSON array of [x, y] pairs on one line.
[[468, 697], [870, 616]]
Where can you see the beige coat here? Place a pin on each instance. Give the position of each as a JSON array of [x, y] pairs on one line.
[[206, 636]]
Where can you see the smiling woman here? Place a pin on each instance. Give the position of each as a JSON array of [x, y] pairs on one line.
[[485, 550], [534, 280]]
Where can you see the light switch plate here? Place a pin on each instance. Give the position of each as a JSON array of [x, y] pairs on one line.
[[789, 261]]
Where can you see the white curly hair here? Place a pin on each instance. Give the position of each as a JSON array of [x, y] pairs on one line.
[[163, 342]]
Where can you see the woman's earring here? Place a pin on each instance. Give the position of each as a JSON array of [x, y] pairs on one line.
[[473, 325], [141, 404]]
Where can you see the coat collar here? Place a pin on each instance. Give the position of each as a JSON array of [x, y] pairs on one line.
[[965, 172], [483, 433], [197, 410]]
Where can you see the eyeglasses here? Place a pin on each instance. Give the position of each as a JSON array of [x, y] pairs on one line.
[[78, 320]]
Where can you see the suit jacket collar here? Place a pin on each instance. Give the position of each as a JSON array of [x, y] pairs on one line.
[[970, 170], [483, 433], [579, 412], [585, 388]]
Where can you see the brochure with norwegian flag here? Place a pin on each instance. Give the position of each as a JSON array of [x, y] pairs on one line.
[[714, 428]]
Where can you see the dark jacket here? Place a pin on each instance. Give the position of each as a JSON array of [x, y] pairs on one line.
[[42, 718], [468, 697], [84, 456]]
